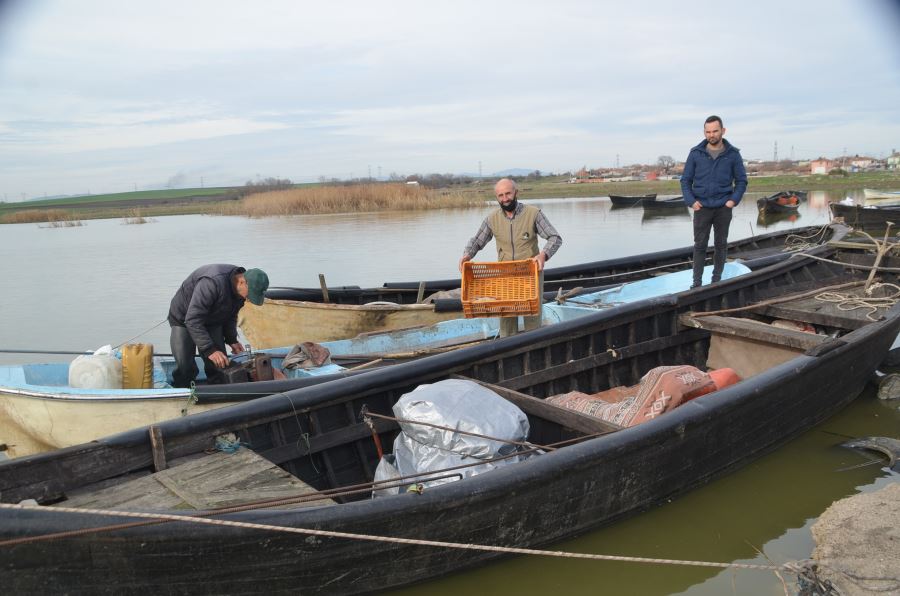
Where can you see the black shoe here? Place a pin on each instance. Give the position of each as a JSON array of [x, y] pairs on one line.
[[695, 285]]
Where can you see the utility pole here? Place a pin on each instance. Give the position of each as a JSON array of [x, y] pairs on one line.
[[479, 169], [201, 181], [617, 161], [370, 172], [379, 172], [775, 154]]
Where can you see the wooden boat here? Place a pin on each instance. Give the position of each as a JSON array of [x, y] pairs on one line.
[[292, 315], [40, 411], [881, 195], [279, 320], [665, 206], [780, 202], [631, 200], [589, 473], [866, 217]]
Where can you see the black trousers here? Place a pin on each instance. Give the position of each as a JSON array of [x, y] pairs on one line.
[[718, 219], [184, 349]]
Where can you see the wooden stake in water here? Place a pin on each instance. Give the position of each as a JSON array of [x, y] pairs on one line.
[[324, 287]]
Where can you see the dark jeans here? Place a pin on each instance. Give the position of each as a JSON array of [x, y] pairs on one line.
[[717, 218], [184, 349]]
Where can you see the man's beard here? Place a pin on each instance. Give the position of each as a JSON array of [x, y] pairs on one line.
[[509, 207]]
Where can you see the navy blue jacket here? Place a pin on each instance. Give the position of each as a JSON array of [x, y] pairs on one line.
[[713, 181], [208, 298]]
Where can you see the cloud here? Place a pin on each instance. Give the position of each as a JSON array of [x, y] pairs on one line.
[[110, 95]]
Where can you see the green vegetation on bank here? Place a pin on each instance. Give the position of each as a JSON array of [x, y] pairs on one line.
[[372, 196]]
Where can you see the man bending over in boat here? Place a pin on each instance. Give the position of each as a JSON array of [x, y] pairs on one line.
[[515, 227], [713, 183], [203, 316]]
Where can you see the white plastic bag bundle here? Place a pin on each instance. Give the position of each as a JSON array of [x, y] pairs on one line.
[[460, 405], [100, 370]]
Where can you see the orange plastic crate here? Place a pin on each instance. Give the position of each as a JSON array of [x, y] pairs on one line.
[[500, 289]]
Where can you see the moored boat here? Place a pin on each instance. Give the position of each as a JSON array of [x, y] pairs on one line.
[[668, 205], [780, 202], [866, 217], [291, 315], [590, 472], [873, 196], [631, 200]]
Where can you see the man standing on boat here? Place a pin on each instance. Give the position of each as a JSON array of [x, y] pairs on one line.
[[516, 228], [203, 316], [713, 183]]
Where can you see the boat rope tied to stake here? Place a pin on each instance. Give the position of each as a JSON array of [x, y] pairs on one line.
[[159, 517]]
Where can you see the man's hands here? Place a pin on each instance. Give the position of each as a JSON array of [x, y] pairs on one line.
[[540, 259], [729, 203], [462, 260], [220, 359]]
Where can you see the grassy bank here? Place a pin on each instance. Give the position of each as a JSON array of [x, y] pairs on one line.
[[323, 198]]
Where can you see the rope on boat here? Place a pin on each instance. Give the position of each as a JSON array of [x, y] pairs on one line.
[[158, 517], [848, 302], [192, 399], [141, 333], [797, 242]]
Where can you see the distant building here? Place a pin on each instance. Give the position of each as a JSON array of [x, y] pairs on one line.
[[893, 162], [861, 162], [821, 166]]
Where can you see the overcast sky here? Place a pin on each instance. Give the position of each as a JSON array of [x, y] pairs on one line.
[[108, 96]]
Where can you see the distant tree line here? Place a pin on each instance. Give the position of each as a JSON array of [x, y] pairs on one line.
[[266, 185]]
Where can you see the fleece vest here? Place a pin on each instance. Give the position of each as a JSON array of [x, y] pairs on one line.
[[516, 238]]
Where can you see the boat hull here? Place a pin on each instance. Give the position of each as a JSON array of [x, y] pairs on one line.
[[33, 423], [866, 217], [287, 322]]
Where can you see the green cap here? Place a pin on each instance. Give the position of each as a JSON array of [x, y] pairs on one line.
[[258, 283]]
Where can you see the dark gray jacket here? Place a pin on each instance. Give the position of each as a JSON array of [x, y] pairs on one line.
[[207, 298]]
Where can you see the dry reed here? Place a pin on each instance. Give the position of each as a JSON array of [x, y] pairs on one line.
[[347, 199], [135, 217], [37, 216]]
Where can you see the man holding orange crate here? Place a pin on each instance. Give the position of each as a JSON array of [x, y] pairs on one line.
[[515, 228]]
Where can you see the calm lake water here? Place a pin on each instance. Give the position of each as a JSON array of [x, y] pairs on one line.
[[108, 283]]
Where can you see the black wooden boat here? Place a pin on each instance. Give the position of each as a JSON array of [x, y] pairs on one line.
[[871, 217], [665, 206], [780, 202], [631, 200], [344, 542], [610, 271]]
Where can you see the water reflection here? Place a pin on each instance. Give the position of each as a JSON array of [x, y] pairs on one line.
[[767, 219]]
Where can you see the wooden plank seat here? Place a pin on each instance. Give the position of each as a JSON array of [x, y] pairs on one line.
[[210, 482], [755, 330]]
